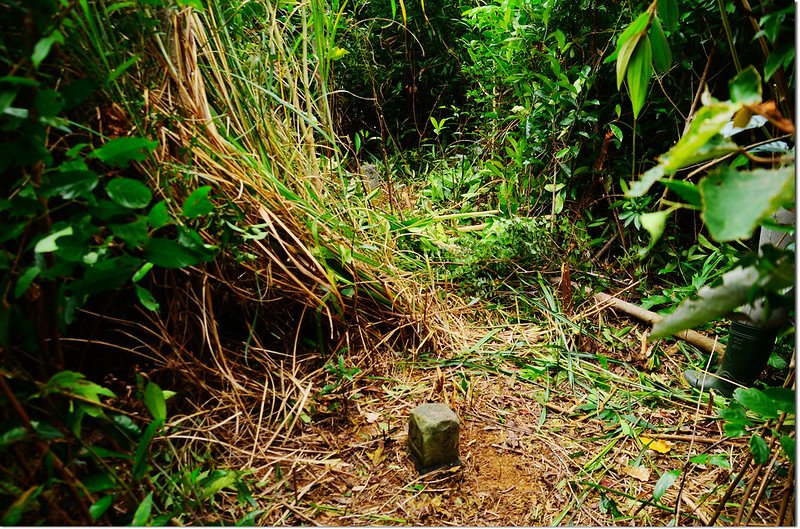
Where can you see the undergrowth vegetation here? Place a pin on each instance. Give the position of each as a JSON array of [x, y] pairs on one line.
[[242, 239]]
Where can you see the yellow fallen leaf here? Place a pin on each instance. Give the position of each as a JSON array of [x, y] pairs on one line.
[[377, 456], [662, 447], [640, 473]]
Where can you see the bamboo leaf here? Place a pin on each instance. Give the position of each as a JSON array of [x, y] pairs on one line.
[[662, 56], [140, 459], [640, 69], [668, 12], [664, 482], [155, 401], [142, 515], [627, 44]]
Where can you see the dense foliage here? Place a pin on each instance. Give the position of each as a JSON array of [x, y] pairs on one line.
[[321, 152]]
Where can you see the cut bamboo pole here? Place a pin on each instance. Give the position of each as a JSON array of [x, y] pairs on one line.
[[702, 341]]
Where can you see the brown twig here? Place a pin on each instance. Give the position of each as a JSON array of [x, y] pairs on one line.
[[731, 488], [700, 88], [72, 482]]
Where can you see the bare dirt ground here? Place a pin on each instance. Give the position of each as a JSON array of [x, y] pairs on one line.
[[537, 449]]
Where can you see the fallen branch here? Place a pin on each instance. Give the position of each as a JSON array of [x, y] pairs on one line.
[[702, 341]]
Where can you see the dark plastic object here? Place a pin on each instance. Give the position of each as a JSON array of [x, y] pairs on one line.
[[745, 358]]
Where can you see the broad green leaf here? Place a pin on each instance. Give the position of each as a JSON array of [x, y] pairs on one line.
[[198, 203], [121, 151], [654, 224], [686, 190], [668, 13], [142, 515], [140, 459], [6, 99], [783, 398], [664, 482], [338, 53], [643, 185], [788, 444], [734, 202], [746, 87], [662, 56], [99, 482], [711, 303], [75, 383], [757, 402], [194, 4], [170, 254], [249, 519], [46, 430], [191, 239], [106, 453], [700, 143], [42, 47], [134, 233], [720, 460], [129, 193], [48, 103], [715, 302], [108, 274], [25, 280], [155, 402], [561, 39], [158, 216], [706, 124], [99, 508], [70, 184], [616, 130], [759, 449], [640, 69], [106, 210], [48, 243]]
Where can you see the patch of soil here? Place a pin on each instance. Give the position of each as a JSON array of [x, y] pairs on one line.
[[531, 456]]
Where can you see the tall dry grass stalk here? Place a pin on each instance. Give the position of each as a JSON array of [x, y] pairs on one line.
[[260, 133], [243, 107]]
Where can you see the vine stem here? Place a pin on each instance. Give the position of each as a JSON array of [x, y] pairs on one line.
[[729, 35]]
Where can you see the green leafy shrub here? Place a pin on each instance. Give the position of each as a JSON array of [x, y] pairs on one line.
[[64, 439], [511, 247], [80, 220]]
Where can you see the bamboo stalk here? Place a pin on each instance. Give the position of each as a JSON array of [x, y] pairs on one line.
[[695, 338]]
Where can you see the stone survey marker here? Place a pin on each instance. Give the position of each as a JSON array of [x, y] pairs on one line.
[[433, 437]]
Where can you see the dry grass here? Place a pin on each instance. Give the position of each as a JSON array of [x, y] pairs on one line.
[[546, 435]]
